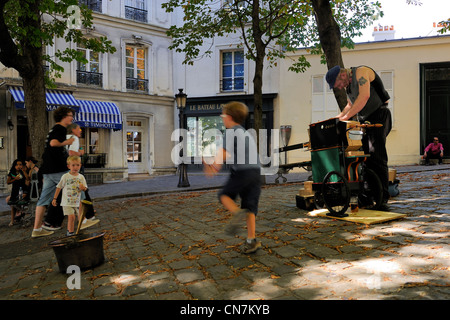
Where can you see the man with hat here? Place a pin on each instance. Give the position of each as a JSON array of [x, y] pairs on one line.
[[367, 102]]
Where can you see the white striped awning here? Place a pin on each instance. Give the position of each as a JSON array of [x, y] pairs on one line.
[[98, 114], [54, 98]]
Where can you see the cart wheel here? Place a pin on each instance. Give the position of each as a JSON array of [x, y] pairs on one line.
[[336, 194], [371, 191]]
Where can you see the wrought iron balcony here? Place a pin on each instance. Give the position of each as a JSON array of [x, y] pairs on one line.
[[94, 5], [137, 84], [90, 78], [135, 14]]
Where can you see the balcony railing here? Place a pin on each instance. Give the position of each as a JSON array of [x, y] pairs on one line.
[[137, 84], [135, 14], [90, 78], [94, 5]]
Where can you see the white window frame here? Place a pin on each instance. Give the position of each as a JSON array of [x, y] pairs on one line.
[[147, 64], [233, 77]]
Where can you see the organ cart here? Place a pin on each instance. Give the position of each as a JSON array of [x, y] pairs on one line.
[[340, 177]]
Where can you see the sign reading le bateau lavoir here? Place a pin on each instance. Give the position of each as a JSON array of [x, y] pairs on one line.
[[206, 107]]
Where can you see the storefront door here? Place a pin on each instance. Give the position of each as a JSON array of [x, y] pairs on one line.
[[137, 149]]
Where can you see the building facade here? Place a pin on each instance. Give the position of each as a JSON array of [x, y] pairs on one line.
[[415, 72], [125, 100]]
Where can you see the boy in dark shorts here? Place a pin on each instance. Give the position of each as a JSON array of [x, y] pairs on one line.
[[240, 151]]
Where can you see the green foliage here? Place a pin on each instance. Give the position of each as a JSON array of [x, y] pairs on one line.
[[275, 26], [445, 26], [53, 20]]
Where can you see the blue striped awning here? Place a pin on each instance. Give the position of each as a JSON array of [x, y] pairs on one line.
[[54, 98], [98, 114]]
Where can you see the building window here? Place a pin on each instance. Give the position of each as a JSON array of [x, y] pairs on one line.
[[94, 5], [136, 10], [89, 73], [135, 67], [232, 71], [388, 81], [324, 104]]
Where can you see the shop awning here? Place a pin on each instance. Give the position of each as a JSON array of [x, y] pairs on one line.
[[98, 114], [54, 98]]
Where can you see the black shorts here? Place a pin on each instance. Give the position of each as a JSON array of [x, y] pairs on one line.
[[246, 184]]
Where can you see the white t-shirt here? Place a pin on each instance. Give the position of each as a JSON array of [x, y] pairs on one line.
[[71, 194], [75, 146]]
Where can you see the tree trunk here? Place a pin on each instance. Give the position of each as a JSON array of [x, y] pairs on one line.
[[330, 39], [32, 73], [259, 65], [34, 87]]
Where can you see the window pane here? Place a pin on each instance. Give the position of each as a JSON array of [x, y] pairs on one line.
[[140, 53], [227, 58], [239, 70], [141, 74], [238, 83], [130, 73], [130, 52], [239, 57], [227, 71], [227, 84], [141, 64], [130, 63]]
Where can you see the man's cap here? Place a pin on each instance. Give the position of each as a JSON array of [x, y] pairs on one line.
[[332, 75]]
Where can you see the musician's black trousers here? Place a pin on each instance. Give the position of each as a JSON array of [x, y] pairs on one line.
[[374, 143]]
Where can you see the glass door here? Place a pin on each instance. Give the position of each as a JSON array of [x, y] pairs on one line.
[[136, 155]]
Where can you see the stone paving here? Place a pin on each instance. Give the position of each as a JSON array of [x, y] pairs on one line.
[[172, 247]]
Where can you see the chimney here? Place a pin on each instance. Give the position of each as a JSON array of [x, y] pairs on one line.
[[383, 33]]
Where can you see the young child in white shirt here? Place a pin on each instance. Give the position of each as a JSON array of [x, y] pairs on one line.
[[72, 183]]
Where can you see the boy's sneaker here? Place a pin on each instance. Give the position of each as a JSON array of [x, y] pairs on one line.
[[41, 233], [233, 226], [251, 247], [49, 227], [69, 234]]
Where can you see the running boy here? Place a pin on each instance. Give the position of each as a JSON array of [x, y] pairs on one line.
[[72, 183], [240, 151]]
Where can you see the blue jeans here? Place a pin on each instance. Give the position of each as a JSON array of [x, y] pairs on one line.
[[51, 180]]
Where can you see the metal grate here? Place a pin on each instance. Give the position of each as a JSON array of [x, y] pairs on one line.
[[93, 178]]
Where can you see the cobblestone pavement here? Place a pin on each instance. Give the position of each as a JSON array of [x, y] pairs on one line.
[[172, 246]]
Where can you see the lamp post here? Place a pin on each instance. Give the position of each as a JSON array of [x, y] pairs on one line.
[[180, 98]]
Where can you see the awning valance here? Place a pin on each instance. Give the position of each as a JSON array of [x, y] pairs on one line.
[[54, 98], [98, 114]]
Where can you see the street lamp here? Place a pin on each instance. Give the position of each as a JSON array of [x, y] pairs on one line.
[[180, 98]]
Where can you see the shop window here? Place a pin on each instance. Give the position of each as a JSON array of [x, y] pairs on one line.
[[89, 141], [200, 144], [232, 75], [135, 69]]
